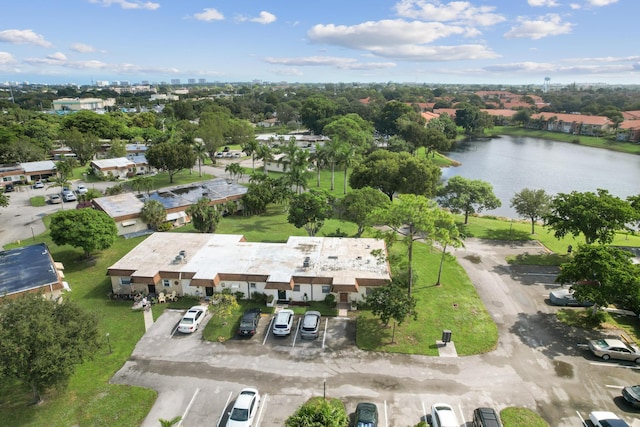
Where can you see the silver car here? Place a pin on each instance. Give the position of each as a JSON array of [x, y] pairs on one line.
[[310, 325], [614, 349]]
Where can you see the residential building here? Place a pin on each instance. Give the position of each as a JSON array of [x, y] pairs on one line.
[[79, 104], [118, 168], [302, 269], [30, 269]]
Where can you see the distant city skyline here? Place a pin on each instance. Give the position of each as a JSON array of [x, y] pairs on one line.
[[405, 41]]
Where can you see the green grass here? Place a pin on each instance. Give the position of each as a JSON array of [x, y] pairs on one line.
[[455, 305], [38, 201], [521, 417]]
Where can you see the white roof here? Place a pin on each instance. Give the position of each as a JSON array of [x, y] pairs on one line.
[[43, 165], [118, 162]]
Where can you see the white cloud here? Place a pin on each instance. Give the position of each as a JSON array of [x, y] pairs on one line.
[[376, 34], [599, 3], [58, 56], [575, 6], [6, 58], [23, 37], [539, 3], [82, 48], [549, 25], [331, 61], [209, 14], [264, 18], [437, 53], [128, 4], [461, 12]]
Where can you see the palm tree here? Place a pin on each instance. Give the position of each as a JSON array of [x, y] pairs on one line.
[[200, 150], [251, 147], [348, 154], [331, 154], [234, 170], [264, 153], [319, 159], [169, 423], [142, 183]]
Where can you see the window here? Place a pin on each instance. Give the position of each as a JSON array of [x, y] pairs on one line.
[[367, 291], [166, 282], [296, 288], [326, 289], [125, 280], [252, 285]]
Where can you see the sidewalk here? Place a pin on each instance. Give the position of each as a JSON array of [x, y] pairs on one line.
[[148, 319]]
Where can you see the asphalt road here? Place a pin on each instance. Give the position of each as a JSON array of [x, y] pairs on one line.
[[537, 363]]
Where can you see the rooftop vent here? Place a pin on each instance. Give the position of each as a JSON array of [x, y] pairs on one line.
[[306, 262], [333, 257]]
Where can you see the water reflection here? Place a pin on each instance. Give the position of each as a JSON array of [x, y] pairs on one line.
[[513, 163]]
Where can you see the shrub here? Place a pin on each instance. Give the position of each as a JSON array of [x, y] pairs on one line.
[[259, 298], [330, 300], [319, 412], [165, 226]]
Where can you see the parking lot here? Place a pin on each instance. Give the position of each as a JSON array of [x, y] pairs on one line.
[[537, 364]]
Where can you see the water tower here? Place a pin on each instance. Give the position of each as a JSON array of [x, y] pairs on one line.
[[547, 83]]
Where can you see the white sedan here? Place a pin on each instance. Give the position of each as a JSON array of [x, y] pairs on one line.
[[606, 419], [81, 189], [192, 319], [244, 409]]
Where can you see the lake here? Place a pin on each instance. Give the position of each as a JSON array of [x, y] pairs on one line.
[[511, 163]]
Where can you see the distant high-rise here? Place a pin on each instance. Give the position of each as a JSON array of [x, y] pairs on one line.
[[144, 82], [547, 83], [175, 81], [191, 81], [202, 81]]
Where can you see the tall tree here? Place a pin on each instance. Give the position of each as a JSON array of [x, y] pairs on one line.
[[234, 170], [352, 129], [42, 340], [309, 210], [153, 213], [142, 183], [4, 200], [467, 196], [88, 229], [200, 152], [358, 204], [171, 157], [84, 146], [251, 148], [265, 153], [392, 302], [316, 112], [597, 216], [532, 204], [611, 277], [205, 218], [412, 217]]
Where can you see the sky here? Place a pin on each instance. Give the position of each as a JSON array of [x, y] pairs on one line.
[[329, 41]]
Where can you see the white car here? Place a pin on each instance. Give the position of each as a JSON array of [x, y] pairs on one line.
[[443, 415], [606, 419], [244, 409], [191, 320], [38, 184], [81, 189], [68, 196], [283, 323]]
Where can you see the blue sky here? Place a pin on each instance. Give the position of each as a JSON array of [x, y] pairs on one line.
[[424, 41]]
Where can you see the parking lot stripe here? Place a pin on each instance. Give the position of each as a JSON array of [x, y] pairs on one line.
[[584, 423], [263, 403], [189, 406], [266, 335], [424, 411], [613, 365], [324, 336], [226, 404], [386, 418], [464, 423], [295, 335], [618, 387]]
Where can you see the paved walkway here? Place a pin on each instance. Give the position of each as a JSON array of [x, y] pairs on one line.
[[148, 319]]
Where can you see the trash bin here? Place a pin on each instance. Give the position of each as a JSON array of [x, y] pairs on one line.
[[446, 336]]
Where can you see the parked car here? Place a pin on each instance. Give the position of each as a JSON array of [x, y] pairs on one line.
[[632, 395], [283, 323], [38, 184], [219, 154], [54, 199], [8, 188], [81, 189], [442, 415], [310, 325], [606, 419], [236, 155], [191, 320], [68, 196], [565, 297], [486, 417], [244, 409], [614, 349], [366, 415], [249, 322]]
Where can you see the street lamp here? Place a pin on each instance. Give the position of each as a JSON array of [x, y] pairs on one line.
[[108, 342]]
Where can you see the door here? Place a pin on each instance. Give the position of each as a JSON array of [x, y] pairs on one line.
[[208, 291], [152, 289], [282, 295], [344, 297]]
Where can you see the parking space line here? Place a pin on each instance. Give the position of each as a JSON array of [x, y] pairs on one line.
[[324, 336], [464, 423], [189, 406], [266, 335], [386, 418], [295, 335], [584, 423], [424, 411], [225, 408], [617, 387], [263, 403], [614, 365]]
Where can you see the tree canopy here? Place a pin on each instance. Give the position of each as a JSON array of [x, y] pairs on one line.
[[396, 173], [603, 275], [88, 229], [467, 196], [204, 217], [42, 340], [597, 216], [531, 204], [153, 213], [309, 210], [171, 157], [358, 205], [391, 302]]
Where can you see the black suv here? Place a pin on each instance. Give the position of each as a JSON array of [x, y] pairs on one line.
[[486, 417], [366, 415], [249, 322]]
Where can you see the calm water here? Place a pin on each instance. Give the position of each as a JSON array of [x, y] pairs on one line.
[[513, 163]]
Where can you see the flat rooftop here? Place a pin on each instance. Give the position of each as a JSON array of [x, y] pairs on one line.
[[26, 268]]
